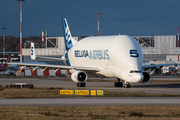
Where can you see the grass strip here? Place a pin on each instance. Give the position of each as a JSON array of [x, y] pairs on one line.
[[91, 112], [6, 92]]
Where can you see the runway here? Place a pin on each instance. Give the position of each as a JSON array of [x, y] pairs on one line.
[[107, 86], [92, 101]]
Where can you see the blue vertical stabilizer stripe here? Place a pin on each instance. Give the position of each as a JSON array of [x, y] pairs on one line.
[[67, 34], [67, 59], [67, 40]]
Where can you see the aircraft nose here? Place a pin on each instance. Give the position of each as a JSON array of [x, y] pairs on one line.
[[139, 77]]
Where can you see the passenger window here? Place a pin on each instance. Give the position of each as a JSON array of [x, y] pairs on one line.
[[131, 71]]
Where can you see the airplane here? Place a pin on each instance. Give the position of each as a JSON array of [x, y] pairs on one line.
[[117, 56], [4, 67], [11, 69]]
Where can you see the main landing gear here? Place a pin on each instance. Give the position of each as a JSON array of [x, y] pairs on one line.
[[81, 84], [120, 84]]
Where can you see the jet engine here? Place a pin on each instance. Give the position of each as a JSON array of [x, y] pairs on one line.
[[79, 76], [146, 76]]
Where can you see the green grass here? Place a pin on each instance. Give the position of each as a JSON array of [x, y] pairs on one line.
[[83, 112], [91, 112]]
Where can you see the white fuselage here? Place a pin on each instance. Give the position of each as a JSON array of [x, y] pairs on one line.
[[115, 56]]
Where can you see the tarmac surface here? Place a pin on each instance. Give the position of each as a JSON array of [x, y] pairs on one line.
[[172, 88], [92, 101]]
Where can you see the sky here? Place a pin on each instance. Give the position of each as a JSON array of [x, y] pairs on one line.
[[129, 17]]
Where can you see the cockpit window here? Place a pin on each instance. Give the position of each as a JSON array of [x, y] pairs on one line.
[[135, 71]]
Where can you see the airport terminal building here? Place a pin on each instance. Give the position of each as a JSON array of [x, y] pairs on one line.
[[159, 48]]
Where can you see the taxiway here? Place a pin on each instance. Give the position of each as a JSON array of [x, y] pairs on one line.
[[107, 86]]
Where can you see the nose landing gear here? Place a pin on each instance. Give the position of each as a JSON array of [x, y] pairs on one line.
[[128, 85], [81, 84]]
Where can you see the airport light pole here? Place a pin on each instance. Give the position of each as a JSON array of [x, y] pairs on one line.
[[20, 34], [3, 45], [178, 47], [98, 21]]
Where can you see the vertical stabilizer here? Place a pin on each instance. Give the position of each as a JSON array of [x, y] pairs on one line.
[[33, 55], [69, 41], [8, 59]]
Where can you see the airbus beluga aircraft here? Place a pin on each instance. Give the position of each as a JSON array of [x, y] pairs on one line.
[[118, 56]]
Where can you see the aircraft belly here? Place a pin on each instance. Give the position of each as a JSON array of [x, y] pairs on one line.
[[106, 73]]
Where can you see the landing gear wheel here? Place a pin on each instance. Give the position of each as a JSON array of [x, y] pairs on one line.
[[81, 84], [128, 85], [118, 84], [115, 84]]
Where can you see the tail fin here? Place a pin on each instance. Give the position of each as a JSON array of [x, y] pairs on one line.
[[9, 62], [8, 59], [69, 41], [33, 55]]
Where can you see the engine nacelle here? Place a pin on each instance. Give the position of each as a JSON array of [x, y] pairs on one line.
[[146, 76], [79, 76]]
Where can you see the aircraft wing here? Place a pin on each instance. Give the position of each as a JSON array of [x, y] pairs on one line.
[[56, 66], [51, 58], [150, 66]]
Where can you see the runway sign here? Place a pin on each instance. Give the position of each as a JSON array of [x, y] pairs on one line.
[[81, 92], [93, 92], [67, 92], [100, 92]]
